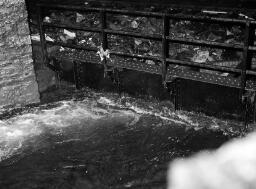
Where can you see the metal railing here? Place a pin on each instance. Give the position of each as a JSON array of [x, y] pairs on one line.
[[168, 72]]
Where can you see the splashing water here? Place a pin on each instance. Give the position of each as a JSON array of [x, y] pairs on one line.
[[15, 131], [98, 141]]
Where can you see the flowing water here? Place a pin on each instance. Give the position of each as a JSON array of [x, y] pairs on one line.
[[101, 142]]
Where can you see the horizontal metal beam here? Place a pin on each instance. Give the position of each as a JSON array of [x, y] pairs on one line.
[[118, 62], [82, 56], [136, 56], [90, 57], [227, 81], [79, 47], [252, 48], [135, 65], [72, 27], [68, 7], [203, 66], [72, 46], [125, 60], [212, 44], [168, 60], [149, 14], [133, 34], [98, 30]]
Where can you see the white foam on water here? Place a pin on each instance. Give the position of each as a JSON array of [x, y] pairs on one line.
[[16, 130], [187, 119], [175, 117]]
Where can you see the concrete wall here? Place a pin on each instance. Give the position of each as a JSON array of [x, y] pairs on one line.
[[17, 78]]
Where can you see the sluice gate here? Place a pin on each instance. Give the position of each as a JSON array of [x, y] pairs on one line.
[[238, 75]]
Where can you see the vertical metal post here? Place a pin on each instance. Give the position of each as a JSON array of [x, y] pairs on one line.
[[165, 54], [77, 74], [104, 39], [246, 59], [42, 36], [165, 47], [177, 94], [246, 63]]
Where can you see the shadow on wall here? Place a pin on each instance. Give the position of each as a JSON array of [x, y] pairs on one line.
[[233, 166], [46, 78]]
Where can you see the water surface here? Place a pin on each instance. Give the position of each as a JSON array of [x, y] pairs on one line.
[[101, 142]]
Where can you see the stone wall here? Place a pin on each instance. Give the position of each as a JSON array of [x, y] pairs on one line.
[[17, 78]]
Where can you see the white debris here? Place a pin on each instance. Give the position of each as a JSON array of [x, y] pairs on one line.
[[201, 56], [62, 49], [63, 39], [134, 24], [150, 62], [103, 54], [47, 19], [36, 37], [47, 38], [245, 16], [79, 17], [214, 12], [70, 34], [82, 41], [138, 41], [224, 74], [229, 33]]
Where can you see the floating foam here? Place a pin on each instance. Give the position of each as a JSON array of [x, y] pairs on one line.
[[17, 130]]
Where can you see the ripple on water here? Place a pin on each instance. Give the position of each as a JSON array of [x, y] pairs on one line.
[[16, 130]]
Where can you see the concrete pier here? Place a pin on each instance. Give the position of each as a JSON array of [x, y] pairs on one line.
[[17, 77]]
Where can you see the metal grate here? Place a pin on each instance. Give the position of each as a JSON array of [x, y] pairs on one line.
[[89, 55], [166, 66], [228, 81]]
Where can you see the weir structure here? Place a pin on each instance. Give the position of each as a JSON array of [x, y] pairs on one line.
[[171, 70]]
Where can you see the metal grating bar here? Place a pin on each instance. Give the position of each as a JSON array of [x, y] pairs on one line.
[[71, 26], [133, 34], [134, 65], [71, 46], [91, 57], [82, 56], [98, 30], [206, 43], [165, 47], [148, 14], [119, 61], [213, 44], [204, 66], [208, 78], [252, 48], [154, 58], [42, 36], [104, 37], [246, 58]]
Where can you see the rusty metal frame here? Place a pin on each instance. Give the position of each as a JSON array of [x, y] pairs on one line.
[[167, 68]]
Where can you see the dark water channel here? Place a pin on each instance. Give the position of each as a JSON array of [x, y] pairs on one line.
[[93, 143]]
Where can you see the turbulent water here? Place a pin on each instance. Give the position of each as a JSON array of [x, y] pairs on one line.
[[14, 132], [100, 143]]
